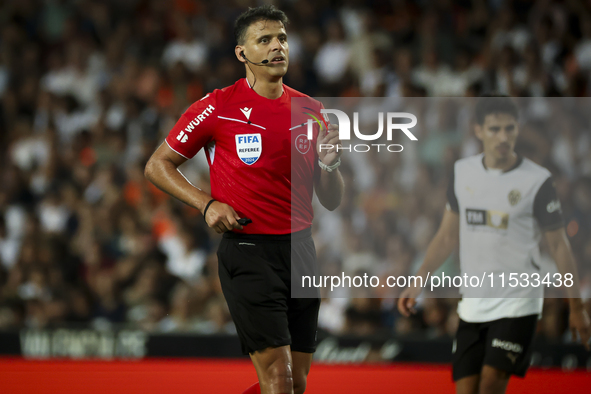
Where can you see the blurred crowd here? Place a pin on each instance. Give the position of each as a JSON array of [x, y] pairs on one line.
[[90, 88]]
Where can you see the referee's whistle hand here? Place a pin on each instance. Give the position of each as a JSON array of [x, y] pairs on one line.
[[330, 138], [222, 217]]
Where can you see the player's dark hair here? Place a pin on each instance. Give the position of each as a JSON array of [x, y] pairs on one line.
[[494, 104], [253, 15]]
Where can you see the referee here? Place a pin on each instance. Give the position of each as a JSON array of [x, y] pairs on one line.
[[258, 172], [499, 205]]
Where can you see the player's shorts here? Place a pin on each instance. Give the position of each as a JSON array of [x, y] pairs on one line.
[[255, 273], [503, 344]]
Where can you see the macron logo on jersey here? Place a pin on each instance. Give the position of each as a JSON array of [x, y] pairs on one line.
[[183, 137], [246, 112]]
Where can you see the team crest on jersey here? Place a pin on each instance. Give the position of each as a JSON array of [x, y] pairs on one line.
[[302, 144], [249, 147], [514, 197]]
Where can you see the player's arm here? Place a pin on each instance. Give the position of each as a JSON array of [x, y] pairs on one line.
[[329, 186], [441, 246], [162, 171], [565, 261], [548, 213]]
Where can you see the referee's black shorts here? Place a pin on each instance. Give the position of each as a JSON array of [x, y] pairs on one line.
[[255, 273]]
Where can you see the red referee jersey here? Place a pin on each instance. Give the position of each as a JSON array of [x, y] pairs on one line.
[[260, 160]]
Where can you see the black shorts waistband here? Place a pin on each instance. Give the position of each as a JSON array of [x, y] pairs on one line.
[[297, 236]]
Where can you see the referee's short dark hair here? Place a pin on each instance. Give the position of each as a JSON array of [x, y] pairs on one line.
[[262, 13], [494, 104]]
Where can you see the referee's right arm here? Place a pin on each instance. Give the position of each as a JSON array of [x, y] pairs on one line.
[[162, 171]]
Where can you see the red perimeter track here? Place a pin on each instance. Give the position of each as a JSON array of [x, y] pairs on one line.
[[233, 376]]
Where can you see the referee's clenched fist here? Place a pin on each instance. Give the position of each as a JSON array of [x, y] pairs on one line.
[[221, 217]]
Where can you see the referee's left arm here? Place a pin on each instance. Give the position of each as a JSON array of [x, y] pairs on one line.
[[329, 185]]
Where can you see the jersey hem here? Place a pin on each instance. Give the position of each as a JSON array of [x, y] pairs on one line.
[[551, 227], [295, 236], [501, 317]]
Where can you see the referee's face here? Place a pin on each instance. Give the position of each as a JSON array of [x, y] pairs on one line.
[[267, 40], [498, 134]]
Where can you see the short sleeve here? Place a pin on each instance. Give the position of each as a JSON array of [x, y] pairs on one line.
[[547, 209], [452, 200], [195, 128]]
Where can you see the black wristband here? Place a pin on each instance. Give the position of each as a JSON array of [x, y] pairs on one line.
[[206, 208]]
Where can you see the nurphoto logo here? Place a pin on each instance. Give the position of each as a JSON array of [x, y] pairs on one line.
[[345, 130]]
